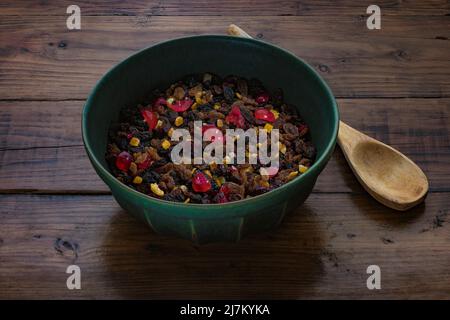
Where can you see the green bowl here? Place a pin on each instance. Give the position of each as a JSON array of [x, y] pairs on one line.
[[164, 63]]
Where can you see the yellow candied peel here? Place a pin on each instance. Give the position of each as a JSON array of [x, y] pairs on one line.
[[165, 144], [292, 175], [179, 121], [208, 173], [282, 148], [219, 180], [268, 127], [156, 190], [302, 168], [134, 142], [159, 124], [275, 113], [137, 180]]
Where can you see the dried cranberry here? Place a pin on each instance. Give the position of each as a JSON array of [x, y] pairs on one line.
[[180, 105], [264, 114], [123, 161], [262, 98], [235, 117], [200, 183], [215, 133], [150, 117]]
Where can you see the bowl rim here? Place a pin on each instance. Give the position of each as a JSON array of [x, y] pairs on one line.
[[315, 169]]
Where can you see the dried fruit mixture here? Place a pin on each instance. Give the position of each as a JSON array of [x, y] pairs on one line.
[[139, 145]]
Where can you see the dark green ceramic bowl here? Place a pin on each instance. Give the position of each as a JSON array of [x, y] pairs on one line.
[[164, 63]]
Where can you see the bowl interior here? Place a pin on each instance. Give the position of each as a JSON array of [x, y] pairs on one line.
[[161, 65]]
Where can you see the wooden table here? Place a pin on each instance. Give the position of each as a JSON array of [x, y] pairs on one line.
[[393, 84]]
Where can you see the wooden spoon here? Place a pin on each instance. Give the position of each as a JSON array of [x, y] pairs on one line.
[[387, 174]]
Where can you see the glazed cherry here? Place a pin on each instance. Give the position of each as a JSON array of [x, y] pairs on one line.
[[235, 117], [214, 132], [265, 115], [200, 183], [150, 117], [180, 105], [123, 161], [262, 98]]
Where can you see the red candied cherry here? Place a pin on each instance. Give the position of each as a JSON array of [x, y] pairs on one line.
[[262, 98], [235, 117], [265, 115], [200, 183], [123, 161], [180, 105], [214, 132], [150, 117]]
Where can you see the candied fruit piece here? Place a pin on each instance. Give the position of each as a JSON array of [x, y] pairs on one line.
[[180, 105], [134, 142], [265, 115], [200, 183], [235, 117], [123, 161], [150, 117], [262, 98]]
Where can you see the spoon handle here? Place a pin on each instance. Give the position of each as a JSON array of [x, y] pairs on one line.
[[349, 137], [234, 30]]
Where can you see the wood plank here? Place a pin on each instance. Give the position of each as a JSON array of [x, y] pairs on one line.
[[320, 251], [39, 138], [406, 58], [31, 124], [227, 8]]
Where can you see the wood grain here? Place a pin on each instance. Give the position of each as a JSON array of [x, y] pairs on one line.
[[40, 139], [406, 58], [227, 8], [393, 84], [320, 251]]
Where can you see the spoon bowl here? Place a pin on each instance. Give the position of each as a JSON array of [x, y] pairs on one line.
[[387, 174]]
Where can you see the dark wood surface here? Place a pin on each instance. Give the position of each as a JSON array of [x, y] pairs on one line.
[[393, 84]]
